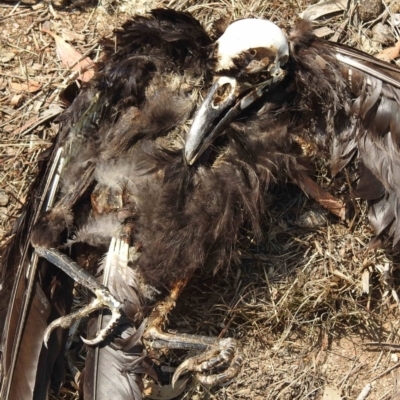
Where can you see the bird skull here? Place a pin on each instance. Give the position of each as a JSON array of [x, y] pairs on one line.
[[249, 59]]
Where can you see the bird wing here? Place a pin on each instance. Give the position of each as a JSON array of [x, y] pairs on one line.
[[359, 96], [82, 193], [376, 87], [26, 306]]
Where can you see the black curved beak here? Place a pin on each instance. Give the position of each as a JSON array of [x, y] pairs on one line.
[[225, 100], [203, 130]]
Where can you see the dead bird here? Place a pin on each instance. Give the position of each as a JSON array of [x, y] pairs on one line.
[[135, 192]]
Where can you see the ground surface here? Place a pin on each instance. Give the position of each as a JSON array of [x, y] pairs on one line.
[[311, 304]]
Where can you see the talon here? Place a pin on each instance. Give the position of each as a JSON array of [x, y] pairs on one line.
[[184, 367], [225, 352], [216, 352], [104, 299], [195, 364], [115, 307], [219, 379]]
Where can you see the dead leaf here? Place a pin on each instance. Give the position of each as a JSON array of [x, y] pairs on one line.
[[390, 53], [331, 393], [6, 57], [29, 86], [69, 56], [167, 392], [323, 8]]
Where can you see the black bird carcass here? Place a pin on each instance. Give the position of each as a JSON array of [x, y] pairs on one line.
[[130, 176]]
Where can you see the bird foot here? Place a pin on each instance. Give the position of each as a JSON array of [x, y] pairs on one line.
[[104, 299], [218, 353], [225, 353]]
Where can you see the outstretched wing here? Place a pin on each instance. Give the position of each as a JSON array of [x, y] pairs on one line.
[[359, 99], [375, 86]]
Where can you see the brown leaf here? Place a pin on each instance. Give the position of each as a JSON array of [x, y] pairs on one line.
[[30, 86], [390, 53], [321, 9], [69, 56]]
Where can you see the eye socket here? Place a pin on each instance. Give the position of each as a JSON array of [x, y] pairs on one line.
[[253, 64], [221, 94]]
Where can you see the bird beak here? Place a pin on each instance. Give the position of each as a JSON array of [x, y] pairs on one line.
[[225, 100], [202, 133]]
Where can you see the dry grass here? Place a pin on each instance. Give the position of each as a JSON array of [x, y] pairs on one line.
[[296, 301]]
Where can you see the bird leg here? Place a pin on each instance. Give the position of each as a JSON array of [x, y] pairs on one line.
[[103, 296], [216, 352]]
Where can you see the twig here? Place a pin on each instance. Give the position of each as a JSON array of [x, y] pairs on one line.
[[393, 346], [25, 14], [15, 8]]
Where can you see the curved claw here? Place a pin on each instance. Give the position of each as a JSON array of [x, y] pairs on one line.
[[226, 352], [224, 377], [103, 296], [104, 299], [108, 300]]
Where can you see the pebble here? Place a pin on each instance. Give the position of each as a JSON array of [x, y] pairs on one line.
[[370, 9], [382, 34], [3, 213], [4, 198]]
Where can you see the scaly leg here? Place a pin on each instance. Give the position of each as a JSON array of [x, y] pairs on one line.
[[216, 352], [103, 296]]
